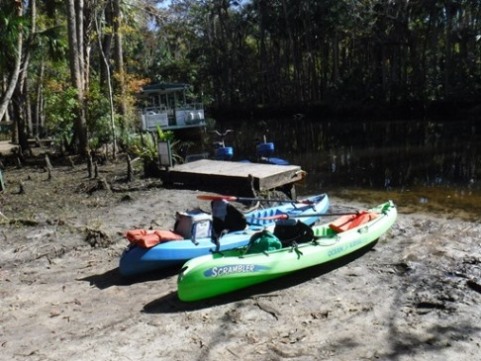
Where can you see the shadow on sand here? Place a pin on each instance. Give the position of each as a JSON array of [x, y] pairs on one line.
[[114, 278], [170, 303]]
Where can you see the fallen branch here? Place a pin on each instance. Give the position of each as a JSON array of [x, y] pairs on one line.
[[474, 285], [25, 222]]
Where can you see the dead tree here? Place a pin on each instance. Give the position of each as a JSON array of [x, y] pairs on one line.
[[48, 166]]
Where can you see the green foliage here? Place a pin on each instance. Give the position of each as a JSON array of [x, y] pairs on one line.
[[11, 26], [60, 109], [165, 135], [51, 41], [144, 145], [99, 122], [282, 53]]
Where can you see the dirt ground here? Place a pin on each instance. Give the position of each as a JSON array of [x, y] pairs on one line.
[[415, 295]]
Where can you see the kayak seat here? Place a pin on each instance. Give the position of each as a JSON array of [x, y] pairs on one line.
[[292, 231], [226, 218], [147, 238], [351, 221]]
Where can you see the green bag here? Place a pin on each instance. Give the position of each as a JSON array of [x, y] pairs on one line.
[[263, 241]]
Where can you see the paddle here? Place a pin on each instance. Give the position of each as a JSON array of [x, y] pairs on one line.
[[213, 197], [287, 216]]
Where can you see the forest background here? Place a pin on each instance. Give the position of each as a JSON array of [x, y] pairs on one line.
[[72, 68]]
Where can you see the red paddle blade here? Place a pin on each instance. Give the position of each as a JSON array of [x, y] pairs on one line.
[[277, 216], [212, 197]]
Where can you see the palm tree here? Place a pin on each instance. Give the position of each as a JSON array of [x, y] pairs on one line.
[[11, 38]]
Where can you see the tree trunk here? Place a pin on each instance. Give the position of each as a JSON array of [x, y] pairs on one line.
[[119, 56], [38, 114], [106, 44], [108, 83], [14, 76], [76, 55], [448, 63], [264, 83], [22, 103]]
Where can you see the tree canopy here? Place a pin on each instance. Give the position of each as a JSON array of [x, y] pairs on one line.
[[73, 68]]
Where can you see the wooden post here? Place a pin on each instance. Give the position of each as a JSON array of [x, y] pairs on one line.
[[2, 184], [130, 171], [48, 166], [89, 165], [165, 154]]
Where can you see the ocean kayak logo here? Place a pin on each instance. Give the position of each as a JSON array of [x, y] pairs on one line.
[[233, 268]]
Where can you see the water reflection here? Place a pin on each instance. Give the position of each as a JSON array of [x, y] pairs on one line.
[[396, 156], [375, 154]]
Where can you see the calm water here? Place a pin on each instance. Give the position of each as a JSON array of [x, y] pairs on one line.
[[431, 164]]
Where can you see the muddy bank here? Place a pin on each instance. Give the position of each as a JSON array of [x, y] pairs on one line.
[[414, 295]]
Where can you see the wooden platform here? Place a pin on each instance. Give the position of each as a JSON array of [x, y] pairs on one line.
[[6, 147], [240, 176]]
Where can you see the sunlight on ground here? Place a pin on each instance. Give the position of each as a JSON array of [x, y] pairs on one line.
[[464, 204]]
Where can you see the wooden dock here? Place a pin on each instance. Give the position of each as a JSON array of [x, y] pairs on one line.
[[241, 177], [6, 147]]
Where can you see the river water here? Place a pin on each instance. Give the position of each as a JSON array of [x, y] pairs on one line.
[[429, 164]]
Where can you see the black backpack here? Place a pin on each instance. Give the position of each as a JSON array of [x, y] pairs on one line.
[[291, 232], [226, 218]]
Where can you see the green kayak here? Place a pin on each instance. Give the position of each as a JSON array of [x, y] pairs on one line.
[[227, 271]]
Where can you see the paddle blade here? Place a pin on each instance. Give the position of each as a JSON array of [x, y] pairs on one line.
[[275, 217], [213, 197]]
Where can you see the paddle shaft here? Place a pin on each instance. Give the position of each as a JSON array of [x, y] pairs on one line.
[[209, 197], [287, 216]]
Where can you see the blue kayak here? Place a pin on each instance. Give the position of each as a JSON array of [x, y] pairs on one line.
[[265, 152], [136, 260], [274, 160]]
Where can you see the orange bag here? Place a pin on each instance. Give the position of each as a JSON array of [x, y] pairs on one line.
[[351, 221], [149, 238]]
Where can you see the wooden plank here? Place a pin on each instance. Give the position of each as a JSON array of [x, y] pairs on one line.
[[207, 172], [37, 142], [6, 147], [259, 170], [279, 180]]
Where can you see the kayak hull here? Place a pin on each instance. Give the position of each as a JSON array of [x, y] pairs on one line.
[[216, 274], [136, 260]]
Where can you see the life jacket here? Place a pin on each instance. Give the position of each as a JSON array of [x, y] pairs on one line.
[[147, 238], [351, 221]]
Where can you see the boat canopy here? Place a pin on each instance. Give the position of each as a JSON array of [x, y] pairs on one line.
[[163, 88], [166, 105]]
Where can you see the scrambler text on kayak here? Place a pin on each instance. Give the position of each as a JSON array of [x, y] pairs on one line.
[[235, 268]]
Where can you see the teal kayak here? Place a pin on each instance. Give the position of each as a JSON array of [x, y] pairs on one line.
[[222, 272], [136, 260]]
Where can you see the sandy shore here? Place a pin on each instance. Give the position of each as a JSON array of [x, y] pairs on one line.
[[415, 295]]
